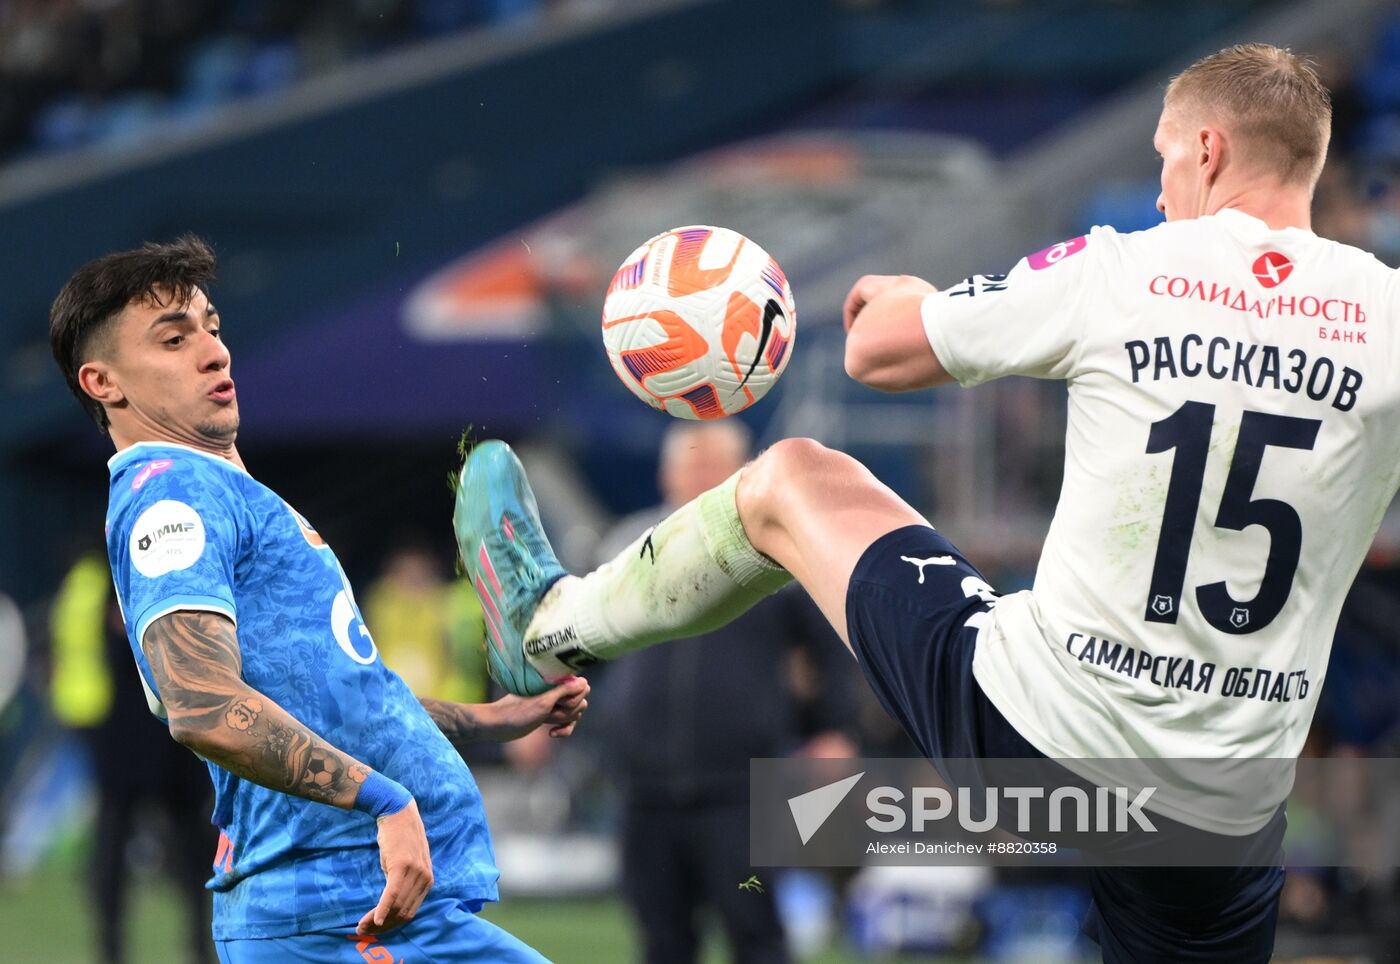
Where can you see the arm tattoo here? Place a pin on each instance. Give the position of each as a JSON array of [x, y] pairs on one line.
[[197, 665], [457, 721]]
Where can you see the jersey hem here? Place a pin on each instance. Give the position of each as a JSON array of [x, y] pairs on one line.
[[475, 891], [937, 341]]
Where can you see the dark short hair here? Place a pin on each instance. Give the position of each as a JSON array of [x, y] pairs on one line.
[[97, 293]]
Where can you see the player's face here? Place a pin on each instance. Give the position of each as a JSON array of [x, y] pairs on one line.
[[1181, 169], [171, 370]]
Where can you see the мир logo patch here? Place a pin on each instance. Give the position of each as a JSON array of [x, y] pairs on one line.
[[167, 537]]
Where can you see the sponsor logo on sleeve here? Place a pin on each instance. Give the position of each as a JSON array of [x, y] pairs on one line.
[[149, 471], [979, 284], [1056, 253], [167, 537]]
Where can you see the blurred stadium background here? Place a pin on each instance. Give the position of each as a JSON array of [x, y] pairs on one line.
[[418, 203]]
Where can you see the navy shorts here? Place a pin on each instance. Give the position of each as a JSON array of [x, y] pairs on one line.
[[908, 608]]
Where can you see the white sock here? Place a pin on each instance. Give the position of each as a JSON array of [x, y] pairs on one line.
[[692, 573]]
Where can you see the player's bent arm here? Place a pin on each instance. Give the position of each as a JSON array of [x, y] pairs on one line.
[[197, 665], [459, 722], [198, 669], [886, 347], [511, 717]]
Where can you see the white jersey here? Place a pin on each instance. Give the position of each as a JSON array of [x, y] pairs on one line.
[[1233, 441]]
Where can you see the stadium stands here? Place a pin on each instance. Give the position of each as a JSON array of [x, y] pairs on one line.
[[82, 73]]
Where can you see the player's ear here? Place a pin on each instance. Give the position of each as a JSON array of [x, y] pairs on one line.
[[98, 380], [1210, 142]]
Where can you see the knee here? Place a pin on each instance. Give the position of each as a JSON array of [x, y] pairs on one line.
[[792, 456], [781, 475]]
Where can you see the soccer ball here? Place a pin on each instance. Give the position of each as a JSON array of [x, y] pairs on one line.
[[320, 773], [699, 322]]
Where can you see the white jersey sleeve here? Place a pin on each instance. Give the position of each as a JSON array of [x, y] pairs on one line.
[[1027, 322], [1233, 439]]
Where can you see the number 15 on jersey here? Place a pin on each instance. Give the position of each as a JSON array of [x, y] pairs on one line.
[[1186, 432]]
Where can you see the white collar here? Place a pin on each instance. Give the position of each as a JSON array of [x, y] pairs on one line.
[[134, 450], [1257, 225]]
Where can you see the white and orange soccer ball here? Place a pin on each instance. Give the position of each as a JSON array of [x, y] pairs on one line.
[[699, 322]]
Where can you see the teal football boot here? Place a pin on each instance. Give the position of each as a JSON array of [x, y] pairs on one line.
[[507, 556]]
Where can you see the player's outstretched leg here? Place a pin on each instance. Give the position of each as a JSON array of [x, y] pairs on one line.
[[800, 509]]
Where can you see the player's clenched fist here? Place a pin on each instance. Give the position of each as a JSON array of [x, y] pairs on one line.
[[403, 853], [872, 285]]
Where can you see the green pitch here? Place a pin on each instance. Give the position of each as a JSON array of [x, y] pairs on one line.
[[48, 917]]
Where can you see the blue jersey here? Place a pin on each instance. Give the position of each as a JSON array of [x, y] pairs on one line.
[[190, 531]]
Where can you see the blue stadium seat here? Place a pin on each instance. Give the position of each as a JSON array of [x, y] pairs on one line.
[[125, 119], [65, 124], [1380, 79], [434, 17], [271, 67], [1380, 84], [1380, 138], [228, 67], [132, 118], [212, 72], [1388, 42]]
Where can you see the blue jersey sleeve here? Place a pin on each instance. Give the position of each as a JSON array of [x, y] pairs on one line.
[[174, 538]]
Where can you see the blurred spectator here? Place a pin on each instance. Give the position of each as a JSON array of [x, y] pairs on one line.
[[466, 640], [415, 619], [1358, 717], [1358, 199], [12, 651], [690, 715], [14, 647], [1341, 213], [96, 690]]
